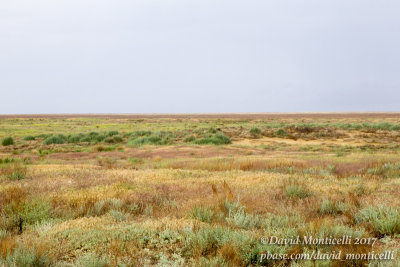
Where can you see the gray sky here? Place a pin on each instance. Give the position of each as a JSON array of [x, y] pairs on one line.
[[127, 56]]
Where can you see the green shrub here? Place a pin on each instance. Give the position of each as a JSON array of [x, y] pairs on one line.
[[44, 136], [296, 191], [135, 160], [217, 139], [55, 139], [112, 133], [281, 133], [7, 141], [93, 260], [332, 207], [158, 138], [7, 160], [36, 211], [361, 190], [328, 228], [383, 220], [212, 262], [238, 217], [115, 203], [189, 139], [18, 175], [117, 215], [175, 261], [97, 138], [75, 138], [29, 138], [207, 241], [24, 257], [98, 209], [202, 214], [15, 171], [118, 139], [140, 133], [114, 139], [99, 148], [387, 170], [340, 154], [151, 140], [255, 131], [22, 212], [109, 140], [222, 139], [92, 137], [43, 153], [244, 247], [88, 138], [212, 130]]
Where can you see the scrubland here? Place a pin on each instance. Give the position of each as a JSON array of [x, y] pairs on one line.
[[196, 191]]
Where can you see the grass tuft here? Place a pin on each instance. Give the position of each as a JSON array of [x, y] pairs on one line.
[[7, 141], [29, 138], [293, 189], [202, 214], [332, 207]]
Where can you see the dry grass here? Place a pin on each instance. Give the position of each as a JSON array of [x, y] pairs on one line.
[[192, 205]]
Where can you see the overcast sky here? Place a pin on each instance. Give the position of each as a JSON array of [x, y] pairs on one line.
[[165, 56]]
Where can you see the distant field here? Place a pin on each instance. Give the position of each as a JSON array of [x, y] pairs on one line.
[[197, 189], [337, 115]]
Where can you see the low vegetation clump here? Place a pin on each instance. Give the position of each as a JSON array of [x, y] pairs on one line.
[[216, 139], [14, 171], [157, 138], [202, 214], [297, 191], [7, 160], [106, 162], [189, 139], [332, 207], [29, 138], [112, 133], [292, 188], [7, 141], [281, 133], [381, 219], [136, 134], [113, 139], [91, 137], [361, 190], [255, 131], [55, 139], [239, 218], [27, 257]]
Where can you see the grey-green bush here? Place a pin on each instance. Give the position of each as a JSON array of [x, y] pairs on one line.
[[383, 220]]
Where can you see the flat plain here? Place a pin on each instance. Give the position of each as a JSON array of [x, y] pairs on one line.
[[197, 189]]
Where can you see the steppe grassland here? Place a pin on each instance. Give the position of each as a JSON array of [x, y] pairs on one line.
[[195, 191]]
